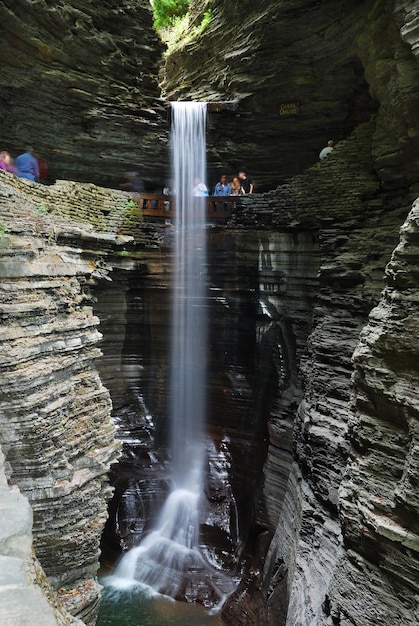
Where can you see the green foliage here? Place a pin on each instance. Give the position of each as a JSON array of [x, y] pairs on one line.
[[166, 11], [42, 208], [3, 228], [205, 21], [183, 31], [175, 23]]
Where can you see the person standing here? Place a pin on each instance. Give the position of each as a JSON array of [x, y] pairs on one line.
[[246, 183], [27, 165], [327, 150], [199, 189], [6, 163], [222, 188], [235, 188]]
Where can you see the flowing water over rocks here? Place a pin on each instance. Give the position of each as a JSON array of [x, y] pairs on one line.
[[168, 559], [320, 540]]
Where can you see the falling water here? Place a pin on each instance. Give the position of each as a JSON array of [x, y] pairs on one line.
[[189, 334], [168, 560]]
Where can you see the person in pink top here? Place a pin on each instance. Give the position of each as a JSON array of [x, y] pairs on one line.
[[6, 163]]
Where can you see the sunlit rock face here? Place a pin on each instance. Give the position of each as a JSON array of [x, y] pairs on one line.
[[336, 64], [78, 82]]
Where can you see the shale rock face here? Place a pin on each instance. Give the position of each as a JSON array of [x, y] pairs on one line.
[[337, 65], [301, 279], [378, 497], [78, 82], [332, 525], [356, 221], [55, 427], [25, 595], [357, 65]]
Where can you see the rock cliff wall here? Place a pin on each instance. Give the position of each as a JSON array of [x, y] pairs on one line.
[[78, 82], [342, 202], [356, 202], [378, 499], [81, 84], [338, 507], [55, 428], [319, 526], [26, 597], [337, 66]]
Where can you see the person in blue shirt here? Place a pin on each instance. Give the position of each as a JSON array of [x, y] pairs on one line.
[[222, 188], [27, 166]]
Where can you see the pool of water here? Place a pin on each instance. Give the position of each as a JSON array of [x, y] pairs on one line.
[[134, 608]]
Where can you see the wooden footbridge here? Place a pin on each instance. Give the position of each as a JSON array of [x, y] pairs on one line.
[[156, 208]]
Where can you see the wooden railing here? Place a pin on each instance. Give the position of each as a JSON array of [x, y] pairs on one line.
[[162, 208]]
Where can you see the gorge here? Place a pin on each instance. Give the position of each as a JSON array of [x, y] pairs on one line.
[[311, 484]]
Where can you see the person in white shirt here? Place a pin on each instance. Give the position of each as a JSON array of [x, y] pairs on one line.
[[327, 150]]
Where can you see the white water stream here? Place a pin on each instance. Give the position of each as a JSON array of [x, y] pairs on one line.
[[168, 560], [189, 327]]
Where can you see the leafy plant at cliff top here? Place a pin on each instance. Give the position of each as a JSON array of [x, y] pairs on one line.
[[166, 11], [175, 23]]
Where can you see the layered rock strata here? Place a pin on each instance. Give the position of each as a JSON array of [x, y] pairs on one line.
[[330, 294], [349, 282], [357, 222], [55, 427], [322, 428], [79, 83], [378, 500], [26, 597], [331, 68], [298, 72]]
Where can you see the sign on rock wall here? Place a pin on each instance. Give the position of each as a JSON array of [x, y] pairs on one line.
[[288, 109]]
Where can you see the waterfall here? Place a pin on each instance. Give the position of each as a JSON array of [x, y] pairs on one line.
[[189, 324], [168, 559]]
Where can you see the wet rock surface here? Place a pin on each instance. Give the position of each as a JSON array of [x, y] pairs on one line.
[[331, 518], [300, 283], [247, 604], [241, 384]]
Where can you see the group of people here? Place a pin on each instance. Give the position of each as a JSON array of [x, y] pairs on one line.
[[26, 165], [240, 185]]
